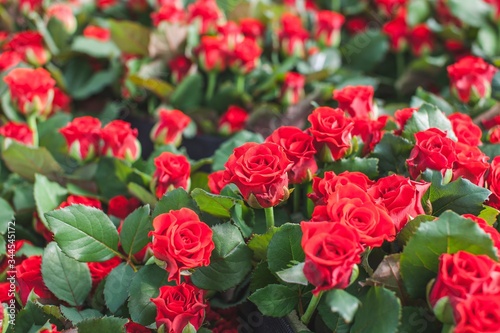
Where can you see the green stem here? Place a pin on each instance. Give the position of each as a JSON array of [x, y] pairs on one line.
[[306, 318], [240, 84], [32, 125], [400, 63], [269, 217], [296, 198], [212, 80]]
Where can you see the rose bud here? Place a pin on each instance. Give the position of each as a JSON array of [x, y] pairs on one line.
[[29, 277], [252, 28], [99, 270], [299, 149], [172, 171], [216, 181], [119, 140], [389, 7], [433, 150], [179, 68], [83, 137], [231, 33], [64, 14], [121, 207], [18, 132], [494, 134], [292, 90], [493, 183], [479, 313], [97, 33], [327, 28], [29, 44], [132, 327], [332, 133], [9, 59], [292, 36], [470, 79], [169, 127], [61, 102], [31, 90], [168, 12], [212, 54], [260, 173], [356, 25], [245, 57], [357, 101], [466, 131], [182, 241], [179, 306], [233, 120], [421, 40], [205, 14], [397, 31], [332, 250]]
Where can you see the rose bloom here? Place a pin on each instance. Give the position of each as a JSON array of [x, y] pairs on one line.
[[327, 28], [493, 183], [205, 14], [292, 90], [331, 250], [357, 101], [233, 120], [9, 59], [178, 306], [18, 132], [80, 200], [397, 31], [99, 270], [119, 140], [356, 25], [369, 131], [471, 164], [494, 134], [470, 79], [212, 54], [323, 187], [32, 90], [98, 33], [402, 116], [169, 12], [390, 7], [169, 127], [216, 181], [299, 149], [466, 131], [121, 207], [61, 102], [494, 234], [332, 132], [179, 68], [29, 277], [478, 313], [29, 45], [231, 33], [245, 56], [260, 171], [421, 40], [401, 197], [64, 14], [433, 150], [4, 292], [172, 171], [292, 36], [182, 241], [27, 6], [132, 327], [352, 206], [83, 137], [252, 28]]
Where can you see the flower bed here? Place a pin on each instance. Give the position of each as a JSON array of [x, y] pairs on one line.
[[321, 205]]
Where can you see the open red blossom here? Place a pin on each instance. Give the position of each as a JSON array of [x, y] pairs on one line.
[[292, 36], [99, 270], [119, 140], [390, 7], [466, 131], [478, 313], [370, 132], [494, 234], [179, 67], [216, 181], [402, 116], [168, 12], [29, 277], [421, 39], [494, 134], [121, 207], [252, 28], [357, 101], [245, 56], [212, 54], [471, 164], [292, 90], [231, 33], [83, 137], [9, 59], [493, 183], [327, 28], [169, 127], [206, 14], [323, 187], [233, 120], [397, 31], [172, 171], [98, 33], [80, 200], [18, 132]]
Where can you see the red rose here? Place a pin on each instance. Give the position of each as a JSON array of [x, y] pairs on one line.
[[119, 140], [493, 183], [494, 134], [323, 187], [231, 33], [83, 137], [233, 120], [327, 28], [299, 149], [205, 14], [9, 59], [179, 67], [172, 171], [212, 54], [168, 12], [332, 133], [18, 132], [494, 234], [98, 33], [4, 292], [29, 277], [357, 101], [64, 14], [292, 36], [105, 4], [397, 31], [80, 200], [331, 250], [471, 164], [121, 207], [433, 150], [308, 4], [216, 181], [260, 173], [462, 274], [292, 90], [41, 229], [99, 270], [32, 90], [169, 127], [389, 7], [61, 101], [252, 28], [245, 56], [369, 131], [352, 206], [29, 45], [402, 116], [356, 25], [421, 39], [132, 327], [28, 6], [466, 131], [400, 196], [178, 306], [182, 241], [478, 313], [52, 329], [470, 79]]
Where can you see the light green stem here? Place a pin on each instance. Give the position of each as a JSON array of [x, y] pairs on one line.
[[212, 80], [313, 304], [269, 217], [240, 84], [34, 128]]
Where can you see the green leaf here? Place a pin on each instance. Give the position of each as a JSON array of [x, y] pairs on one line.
[[135, 229], [262, 276], [487, 40], [378, 303], [76, 316], [411, 227], [94, 48], [418, 11], [28, 161], [244, 218], [174, 200], [117, 286], [188, 95], [489, 214], [6, 215], [142, 194], [158, 87], [449, 234], [104, 324], [32, 314], [368, 166], [275, 300], [145, 285], [216, 205], [417, 320], [130, 37], [491, 150], [428, 116], [221, 155], [8, 108], [285, 247], [230, 261], [111, 176], [422, 96], [294, 274], [366, 56], [84, 233], [332, 320], [48, 196], [343, 303], [65, 277], [392, 152], [473, 13]]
